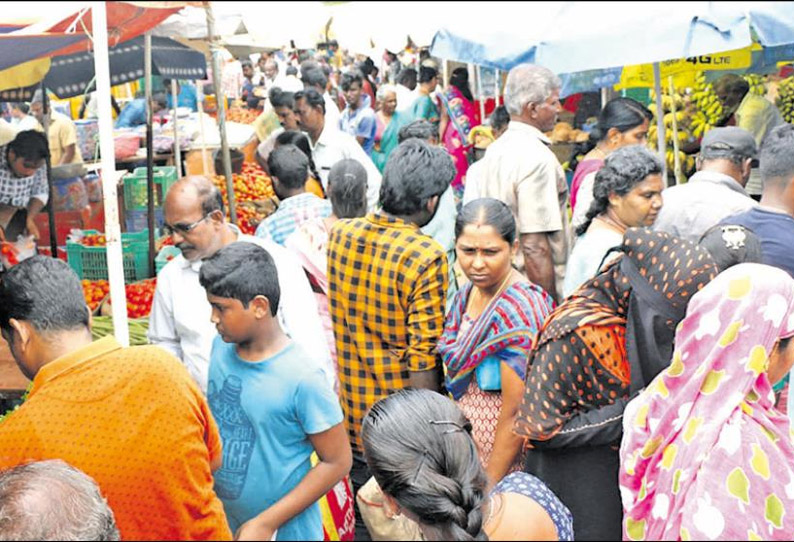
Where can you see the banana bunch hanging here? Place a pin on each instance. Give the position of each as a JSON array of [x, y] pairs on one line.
[[709, 108], [785, 99], [683, 104], [757, 84]]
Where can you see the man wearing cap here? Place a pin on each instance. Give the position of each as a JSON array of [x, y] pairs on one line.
[[716, 191]]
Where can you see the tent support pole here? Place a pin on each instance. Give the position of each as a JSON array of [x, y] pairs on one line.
[[112, 228], [216, 79], [657, 87], [677, 160], [45, 104], [177, 149], [147, 74]]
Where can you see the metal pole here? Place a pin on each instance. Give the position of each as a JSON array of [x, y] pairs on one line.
[[204, 160], [216, 79], [108, 163], [481, 94], [45, 104], [147, 75], [676, 159], [177, 150], [497, 84], [660, 144]]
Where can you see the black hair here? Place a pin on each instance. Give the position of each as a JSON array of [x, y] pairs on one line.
[[407, 76], [418, 129], [460, 80], [350, 78], [242, 271], [348, 189], [419, 448], [246, 64], [426, 74], [22, 106], [30, 145], [290, 165], [300, 140], [776, 157], [623, 114], [160, 99], [488, 212], [622, 171], [312, 97], [414, 173], [731, 245], [367, 66], [500, 118], [279, 98], [313, 75], [291, 70], [44, 292]]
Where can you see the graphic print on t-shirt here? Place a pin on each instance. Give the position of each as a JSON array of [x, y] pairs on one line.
[[237, 435]]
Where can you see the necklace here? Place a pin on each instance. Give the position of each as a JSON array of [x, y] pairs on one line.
[[476, 291], [612, 223], [492, 509]]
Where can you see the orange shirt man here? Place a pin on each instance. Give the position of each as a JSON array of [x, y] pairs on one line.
[[131, 418]]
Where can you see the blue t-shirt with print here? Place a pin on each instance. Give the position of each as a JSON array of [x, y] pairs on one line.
[[775, 230], [361, 123], [266, 411]]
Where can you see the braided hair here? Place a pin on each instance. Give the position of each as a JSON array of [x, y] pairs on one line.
[[418, 446], [622, 171]]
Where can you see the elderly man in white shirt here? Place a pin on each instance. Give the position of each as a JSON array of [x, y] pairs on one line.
[[330, 144], [180, 318], [521, 170]]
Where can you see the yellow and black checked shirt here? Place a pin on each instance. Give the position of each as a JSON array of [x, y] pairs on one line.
[[387, 289]]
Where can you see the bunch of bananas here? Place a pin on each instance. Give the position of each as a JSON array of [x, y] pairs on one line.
[[682, 104], [757, 84], [785, 99], [708, 105]]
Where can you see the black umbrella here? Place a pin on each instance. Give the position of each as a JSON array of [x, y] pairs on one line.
[[71, 75]]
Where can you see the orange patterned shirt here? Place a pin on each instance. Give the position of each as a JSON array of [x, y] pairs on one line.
[[133, 420]]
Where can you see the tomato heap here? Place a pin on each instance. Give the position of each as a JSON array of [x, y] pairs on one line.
[[252, 185], [94, 292], [139, 298], [93, 240], [9, 254]]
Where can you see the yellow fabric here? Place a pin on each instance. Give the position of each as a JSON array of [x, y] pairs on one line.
[[25, 74], [683, 70], [63, 133]]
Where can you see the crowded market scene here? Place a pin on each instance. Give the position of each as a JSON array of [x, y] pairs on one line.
[[391, 271]]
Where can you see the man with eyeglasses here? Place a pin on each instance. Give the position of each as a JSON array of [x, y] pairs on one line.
[[180, 318]]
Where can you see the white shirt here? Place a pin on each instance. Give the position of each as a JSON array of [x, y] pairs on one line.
[[180, 319], [335, 145], [405, 98], [471, 191], [332, 114]]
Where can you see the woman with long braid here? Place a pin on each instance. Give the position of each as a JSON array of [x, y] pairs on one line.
[[628, 194], [418, 445]]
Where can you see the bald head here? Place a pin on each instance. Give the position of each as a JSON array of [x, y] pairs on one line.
[[194, 215]]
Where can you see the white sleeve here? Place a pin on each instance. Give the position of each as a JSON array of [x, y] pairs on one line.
[[162, 325], [297, 310], [373, 175], [583, 200]]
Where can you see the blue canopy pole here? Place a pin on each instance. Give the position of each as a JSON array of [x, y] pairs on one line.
[[661, 146]]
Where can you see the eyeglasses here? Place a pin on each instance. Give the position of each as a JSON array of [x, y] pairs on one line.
[[183, 228]]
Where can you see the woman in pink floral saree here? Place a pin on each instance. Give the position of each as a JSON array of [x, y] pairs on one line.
[[705, 455]]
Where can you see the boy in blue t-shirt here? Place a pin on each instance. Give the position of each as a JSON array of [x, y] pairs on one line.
[[272, 404]]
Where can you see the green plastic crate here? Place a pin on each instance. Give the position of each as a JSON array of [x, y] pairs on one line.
[[162, 257], [135, 195], [91, 262]]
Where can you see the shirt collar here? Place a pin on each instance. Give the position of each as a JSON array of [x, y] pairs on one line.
[[386, 220], [293, 201], [528, 129], [324, 138], [719, 178], [65, 363], [196, 266]]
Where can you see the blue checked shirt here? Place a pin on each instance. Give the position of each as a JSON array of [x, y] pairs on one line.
[[291, 213]]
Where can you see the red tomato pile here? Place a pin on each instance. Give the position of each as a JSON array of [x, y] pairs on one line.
[[139, 298], [252, 185], [95, 291], [93, 240], [9, 254]]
